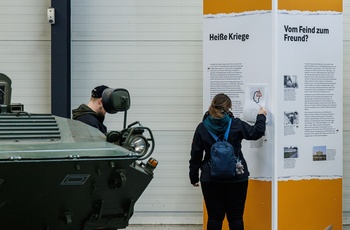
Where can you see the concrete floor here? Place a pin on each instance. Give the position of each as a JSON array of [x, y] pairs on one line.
[[164, 227], [179, 227]]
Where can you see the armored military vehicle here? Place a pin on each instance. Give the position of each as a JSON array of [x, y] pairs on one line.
[[58, 173]]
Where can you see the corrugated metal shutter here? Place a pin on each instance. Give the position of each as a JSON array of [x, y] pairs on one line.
[[25, 52], [346, 114], [153, 49]]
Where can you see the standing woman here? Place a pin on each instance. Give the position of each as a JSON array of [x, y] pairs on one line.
[[225, 196]]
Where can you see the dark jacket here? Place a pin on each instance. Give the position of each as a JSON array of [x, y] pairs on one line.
[[202, 141], [85, 114]]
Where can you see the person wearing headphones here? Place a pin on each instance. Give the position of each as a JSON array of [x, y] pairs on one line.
[[93, 113]]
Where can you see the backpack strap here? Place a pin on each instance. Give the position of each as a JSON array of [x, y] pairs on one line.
[[213, 135], [216, 138], [228, 130]]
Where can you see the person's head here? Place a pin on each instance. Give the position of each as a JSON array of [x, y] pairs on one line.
[[95, 102], [220, 105]]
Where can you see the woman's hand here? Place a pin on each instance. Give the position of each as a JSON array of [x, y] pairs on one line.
[[262, 111]]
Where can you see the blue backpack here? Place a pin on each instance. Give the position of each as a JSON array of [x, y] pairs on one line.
[[222, 160]]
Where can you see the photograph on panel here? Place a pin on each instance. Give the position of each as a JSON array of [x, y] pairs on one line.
[[319, 153], [290, 152], [291, 118], [290, 81]]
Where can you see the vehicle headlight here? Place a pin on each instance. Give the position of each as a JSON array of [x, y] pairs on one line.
[[139, 144], [138, 140]]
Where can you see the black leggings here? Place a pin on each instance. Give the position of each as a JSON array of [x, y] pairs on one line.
[[225, 198]]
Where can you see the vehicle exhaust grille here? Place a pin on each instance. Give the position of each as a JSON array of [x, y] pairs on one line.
[[25, 126]]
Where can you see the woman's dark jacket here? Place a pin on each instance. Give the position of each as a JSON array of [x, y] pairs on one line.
[[202, 141]]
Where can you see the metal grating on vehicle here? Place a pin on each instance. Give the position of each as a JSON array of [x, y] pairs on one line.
[[25, 126]]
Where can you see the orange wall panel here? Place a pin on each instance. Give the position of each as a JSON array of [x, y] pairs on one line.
[[310, 204], [258, 212], [234, 6], [311, 5]]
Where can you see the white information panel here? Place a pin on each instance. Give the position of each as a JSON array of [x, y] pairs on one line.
[[310, 88], [237, 62]]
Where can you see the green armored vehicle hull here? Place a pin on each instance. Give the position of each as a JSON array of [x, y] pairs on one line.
[[58, 173]]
